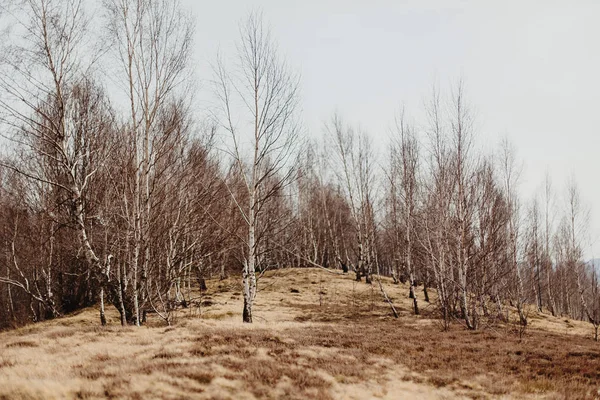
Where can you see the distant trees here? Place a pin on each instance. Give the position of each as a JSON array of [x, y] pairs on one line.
[[436, 221], [354, 168], [547, 253], [589, 292], [403, 199]]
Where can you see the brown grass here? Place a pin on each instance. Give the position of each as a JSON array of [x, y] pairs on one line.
[[539, 363], [334, 338], [22, 343]]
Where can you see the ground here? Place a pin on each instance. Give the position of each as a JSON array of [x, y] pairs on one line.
[[316, 335]]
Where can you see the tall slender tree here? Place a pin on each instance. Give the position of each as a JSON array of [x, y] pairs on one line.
[[262, 90]]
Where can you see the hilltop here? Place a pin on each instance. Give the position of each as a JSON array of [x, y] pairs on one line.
[[317, 335]]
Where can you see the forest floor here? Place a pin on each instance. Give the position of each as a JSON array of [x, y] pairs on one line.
[[316, 335]]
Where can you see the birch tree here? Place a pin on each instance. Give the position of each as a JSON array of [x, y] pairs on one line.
[[510, 171], [589, 291], [436, 222], [406, 151], [354, 168], [258, 108], [534, 251], [461, 128], [56, 116], [547, 254], [152, 46]]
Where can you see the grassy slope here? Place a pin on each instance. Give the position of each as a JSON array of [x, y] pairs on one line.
[[332, 339]]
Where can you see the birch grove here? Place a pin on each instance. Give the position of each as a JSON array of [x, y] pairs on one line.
[[118, 191]]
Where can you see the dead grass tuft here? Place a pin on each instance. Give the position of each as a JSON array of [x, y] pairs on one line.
[[101, 357], [63, 333], [201, 377], [5, 362], [22, 343], [442, 381], [166, 354]]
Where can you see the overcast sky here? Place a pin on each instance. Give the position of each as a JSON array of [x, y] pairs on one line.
[[531, 70]]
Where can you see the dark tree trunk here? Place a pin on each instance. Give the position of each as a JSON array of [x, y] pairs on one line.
[[202, 284], [416, 306], [247, 314]]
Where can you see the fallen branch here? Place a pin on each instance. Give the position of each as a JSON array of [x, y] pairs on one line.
[[309, 261], [383, 292]]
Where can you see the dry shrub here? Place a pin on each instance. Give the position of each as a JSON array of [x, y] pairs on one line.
[[442, 381], [115, 388], [204, 378], [159, 366], [308, 380], [166, 354], [267, 373], [200, 351]]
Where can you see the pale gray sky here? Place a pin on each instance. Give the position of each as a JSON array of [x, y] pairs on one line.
[[531, 70]]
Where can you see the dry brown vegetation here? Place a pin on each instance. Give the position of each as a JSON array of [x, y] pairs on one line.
[[316, 335]]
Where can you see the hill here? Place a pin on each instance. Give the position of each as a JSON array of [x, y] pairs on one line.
[[318, 335]]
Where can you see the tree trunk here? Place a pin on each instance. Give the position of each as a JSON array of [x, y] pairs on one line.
[[102, 315], [463, 302], [249, 276], [121, 290], [551, 305], [248, 300]]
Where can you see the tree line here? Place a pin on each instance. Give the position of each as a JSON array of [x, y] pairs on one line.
[[114, 191]]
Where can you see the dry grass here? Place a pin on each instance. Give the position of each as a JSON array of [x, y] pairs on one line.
[[316, 335]]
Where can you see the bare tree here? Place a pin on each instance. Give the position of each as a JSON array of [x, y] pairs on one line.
[[436, 221], [589, 291], [265, 91], [60, 119], [406, 161], [577, 216], [152, 45], [461, 125], [547, 255], [491, 240], [533, 251], [354, 169], [510, 177]]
